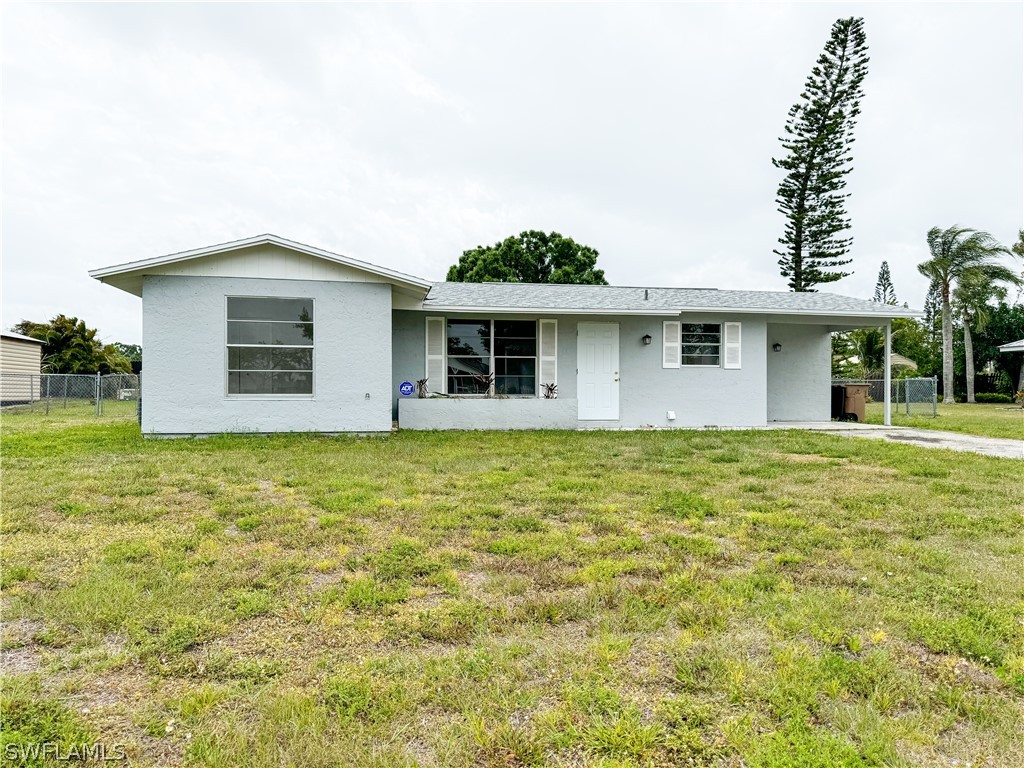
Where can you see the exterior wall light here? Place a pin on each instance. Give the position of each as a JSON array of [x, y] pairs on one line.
[[777, 347], [646, 339]]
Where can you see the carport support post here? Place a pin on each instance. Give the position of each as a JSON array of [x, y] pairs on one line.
[[888, 373]]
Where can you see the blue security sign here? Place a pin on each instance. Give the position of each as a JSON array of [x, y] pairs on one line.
[[406, 388]]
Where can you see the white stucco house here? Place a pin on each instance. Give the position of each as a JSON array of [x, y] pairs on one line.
[[269, 335]]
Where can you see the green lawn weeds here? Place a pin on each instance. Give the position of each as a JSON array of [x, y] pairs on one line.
[[550, 598]]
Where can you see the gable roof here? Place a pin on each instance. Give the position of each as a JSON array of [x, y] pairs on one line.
[[142, 266], [613, 299], [1013, 346]]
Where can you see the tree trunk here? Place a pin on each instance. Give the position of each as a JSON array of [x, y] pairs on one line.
[[969, 359], [947, 348]]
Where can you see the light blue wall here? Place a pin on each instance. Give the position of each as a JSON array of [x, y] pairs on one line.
[[699, 396], [486, 413], [800, 375], [184, 335]]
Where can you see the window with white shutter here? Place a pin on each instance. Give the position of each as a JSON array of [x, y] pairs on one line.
[[731, 345], [436, 367], [670, 349]]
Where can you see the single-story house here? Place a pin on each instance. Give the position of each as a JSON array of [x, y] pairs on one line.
[[269, 335], [21, 362]]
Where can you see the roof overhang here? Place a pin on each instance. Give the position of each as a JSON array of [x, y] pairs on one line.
[[121, 275], [428, 307], [1013, 346], [859, 319]]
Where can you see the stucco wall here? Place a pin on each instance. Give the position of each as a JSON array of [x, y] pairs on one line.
[[486, 413], [699, 396], [183, 384], [800, 375]]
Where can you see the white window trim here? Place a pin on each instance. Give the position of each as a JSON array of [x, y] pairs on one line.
[[225, 346], [721, 347]]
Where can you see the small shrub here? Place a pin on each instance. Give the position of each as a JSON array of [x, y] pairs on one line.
[[993, 397]]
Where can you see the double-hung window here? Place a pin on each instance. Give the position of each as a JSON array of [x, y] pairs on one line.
[[478, 349], [702, 343], [269, 346]]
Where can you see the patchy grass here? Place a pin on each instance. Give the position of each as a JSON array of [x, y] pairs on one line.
[[620, 598], [986, 419]]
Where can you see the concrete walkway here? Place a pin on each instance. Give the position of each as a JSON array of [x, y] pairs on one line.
[[931, 438]]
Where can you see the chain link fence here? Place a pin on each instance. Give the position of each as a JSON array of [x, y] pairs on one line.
[[110, 395], [912, 397]]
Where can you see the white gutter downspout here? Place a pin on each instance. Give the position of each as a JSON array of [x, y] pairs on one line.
[[888, 373]]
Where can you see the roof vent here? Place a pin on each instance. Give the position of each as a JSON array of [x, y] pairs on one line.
[[645, 294]]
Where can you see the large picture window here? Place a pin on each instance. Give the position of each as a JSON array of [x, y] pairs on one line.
[[505, 348], [269, 346], [702, 343]]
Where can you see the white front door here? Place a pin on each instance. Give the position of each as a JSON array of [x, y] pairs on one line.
[[597, 374]]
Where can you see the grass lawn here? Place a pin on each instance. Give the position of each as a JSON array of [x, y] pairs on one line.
[[600, 598], [972, 418]]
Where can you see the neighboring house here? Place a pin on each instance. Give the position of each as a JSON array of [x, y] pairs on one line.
[[269, 335], [21, 361], [1016, 346]]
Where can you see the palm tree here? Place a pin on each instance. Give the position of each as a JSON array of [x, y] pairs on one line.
[[971, 300], [959, 254]]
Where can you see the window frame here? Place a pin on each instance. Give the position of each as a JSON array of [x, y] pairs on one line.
[[228, 346], [492, 357], [683, 345]]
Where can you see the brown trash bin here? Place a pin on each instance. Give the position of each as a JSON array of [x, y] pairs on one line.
[[856, 401]]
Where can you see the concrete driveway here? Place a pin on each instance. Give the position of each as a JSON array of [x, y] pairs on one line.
[[930, 438]]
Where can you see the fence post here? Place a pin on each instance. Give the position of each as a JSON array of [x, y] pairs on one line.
[[935, 396], [98, 383], [65, 392]]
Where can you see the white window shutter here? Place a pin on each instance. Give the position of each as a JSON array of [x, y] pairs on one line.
[[547, 333], [436, 366], [731, 345], [671, 340]]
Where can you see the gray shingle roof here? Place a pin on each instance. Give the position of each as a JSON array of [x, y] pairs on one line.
[[637, 300]]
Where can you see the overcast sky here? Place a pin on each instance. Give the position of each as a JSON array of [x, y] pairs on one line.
[[405, 134]]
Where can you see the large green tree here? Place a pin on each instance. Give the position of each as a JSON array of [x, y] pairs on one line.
[[70, 346], [884, 291], [1005, 324], [817, 141], [971, 300], [530, 257], [960, 254]]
